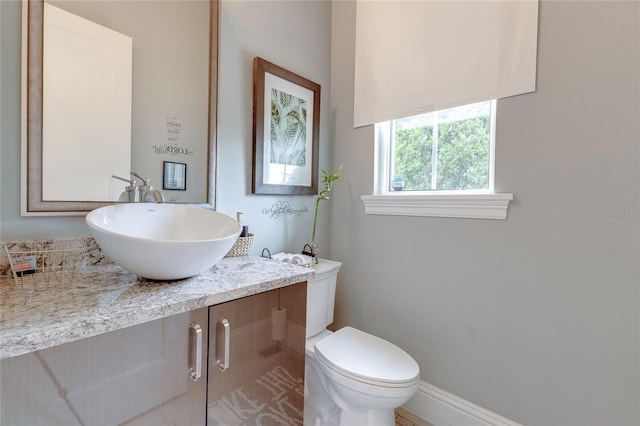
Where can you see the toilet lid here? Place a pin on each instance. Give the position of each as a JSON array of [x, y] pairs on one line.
[[364, 357]]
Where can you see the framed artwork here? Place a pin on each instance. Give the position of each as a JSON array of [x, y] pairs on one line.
[[286, 119], [174, 176]]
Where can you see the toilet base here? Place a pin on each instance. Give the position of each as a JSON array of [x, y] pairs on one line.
[[322, 416], [368, 418], [319, 408]]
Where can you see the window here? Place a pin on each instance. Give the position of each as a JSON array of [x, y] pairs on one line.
[[438, 164], [450, 149]]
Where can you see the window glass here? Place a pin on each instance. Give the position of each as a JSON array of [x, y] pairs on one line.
[[443, 150]]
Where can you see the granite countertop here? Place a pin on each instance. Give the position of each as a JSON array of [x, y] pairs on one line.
[[105, 297]]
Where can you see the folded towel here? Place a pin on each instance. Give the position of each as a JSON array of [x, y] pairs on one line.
[[296, 259]]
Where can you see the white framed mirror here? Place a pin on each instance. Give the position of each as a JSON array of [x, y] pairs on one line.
[[71, 146]]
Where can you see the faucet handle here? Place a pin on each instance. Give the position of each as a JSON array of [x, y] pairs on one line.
[[132, 182], [145, 181]]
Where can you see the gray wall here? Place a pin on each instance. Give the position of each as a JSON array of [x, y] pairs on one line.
[[294, 35], [535, 317]]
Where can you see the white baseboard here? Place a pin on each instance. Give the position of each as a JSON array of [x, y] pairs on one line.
[[440, 407]]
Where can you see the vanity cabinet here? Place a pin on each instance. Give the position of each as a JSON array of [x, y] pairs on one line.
[[248, 354], [139, 375], [256, 358]]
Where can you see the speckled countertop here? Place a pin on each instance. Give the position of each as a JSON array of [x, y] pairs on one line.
[[103, 297]]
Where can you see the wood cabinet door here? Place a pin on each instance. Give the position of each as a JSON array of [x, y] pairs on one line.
[[138, 375], [256, 359]]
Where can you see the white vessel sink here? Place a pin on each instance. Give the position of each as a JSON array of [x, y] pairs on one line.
[[163, 241]]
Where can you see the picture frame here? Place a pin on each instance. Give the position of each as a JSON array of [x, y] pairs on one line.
[[286, 120], [174, 176]]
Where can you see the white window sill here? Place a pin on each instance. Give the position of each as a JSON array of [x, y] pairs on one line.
[[457, 205]]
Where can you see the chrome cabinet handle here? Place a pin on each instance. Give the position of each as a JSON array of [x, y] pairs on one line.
[[223, 327], [195, 362]]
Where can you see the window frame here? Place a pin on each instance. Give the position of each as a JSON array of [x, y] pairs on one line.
[[476, 204]]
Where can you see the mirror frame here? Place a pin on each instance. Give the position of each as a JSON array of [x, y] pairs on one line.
[[32, 203]]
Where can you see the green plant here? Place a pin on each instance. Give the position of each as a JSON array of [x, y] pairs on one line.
[[328, 180]]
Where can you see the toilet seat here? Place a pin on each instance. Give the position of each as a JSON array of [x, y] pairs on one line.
[[365, 358]]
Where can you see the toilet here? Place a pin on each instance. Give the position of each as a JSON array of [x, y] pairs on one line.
[[352, 378]]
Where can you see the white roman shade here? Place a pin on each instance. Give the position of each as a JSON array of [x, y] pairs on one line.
[[418, 56]]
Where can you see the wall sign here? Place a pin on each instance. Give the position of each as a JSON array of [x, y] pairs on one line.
[[283, 208]]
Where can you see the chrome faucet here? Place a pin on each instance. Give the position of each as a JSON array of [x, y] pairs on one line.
[[134, 193], [147, 193], [131, 193]]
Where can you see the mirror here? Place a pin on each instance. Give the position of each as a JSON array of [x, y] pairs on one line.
[[172, 115]]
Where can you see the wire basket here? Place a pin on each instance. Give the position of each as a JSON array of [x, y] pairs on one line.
[[40, 263], [242, 246]]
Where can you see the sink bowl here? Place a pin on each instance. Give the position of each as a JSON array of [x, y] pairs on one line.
[[163, 241]]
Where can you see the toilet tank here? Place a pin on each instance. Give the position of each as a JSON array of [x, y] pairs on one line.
[[321, 294]]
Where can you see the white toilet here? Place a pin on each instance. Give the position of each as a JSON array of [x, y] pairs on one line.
[[351, 377]]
